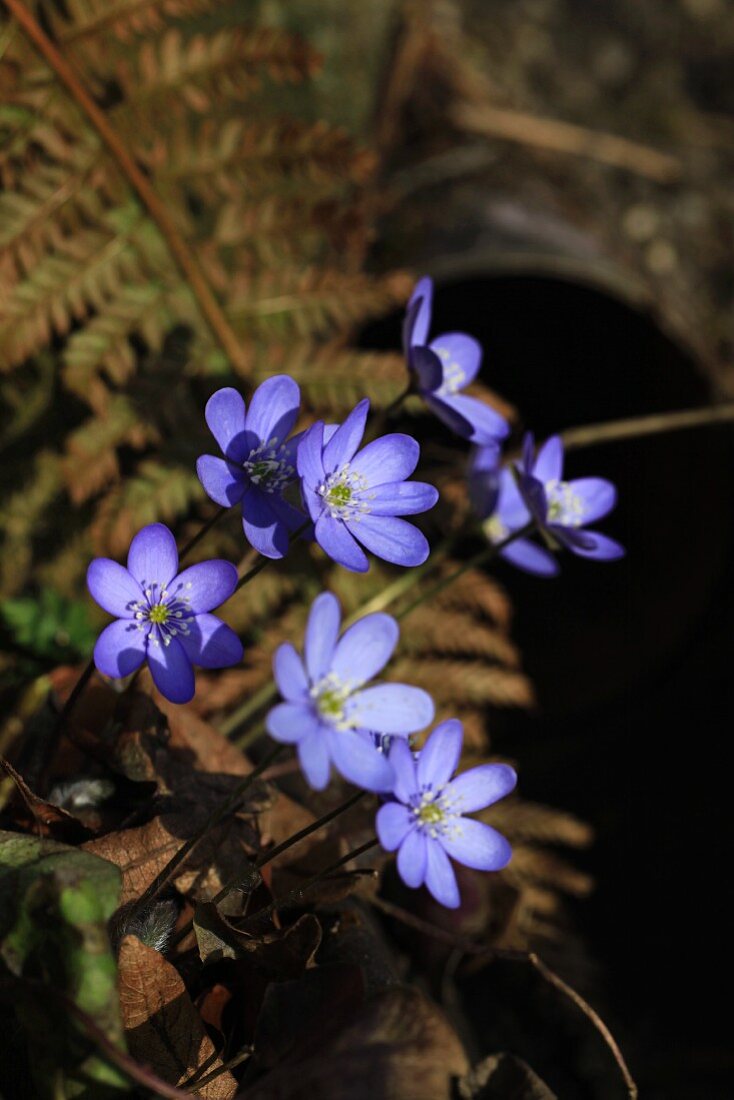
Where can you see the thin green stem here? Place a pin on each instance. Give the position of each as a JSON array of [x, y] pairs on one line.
[[166, 874], [203, 530]]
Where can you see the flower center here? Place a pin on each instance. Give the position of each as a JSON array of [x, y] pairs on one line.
[[454, 376], [163, 614], [435, 814], [342, 493], [330, 695], [565, 507], [268, 468]]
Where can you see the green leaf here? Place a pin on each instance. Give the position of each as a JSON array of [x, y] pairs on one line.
[[55, 902], [50, 626]]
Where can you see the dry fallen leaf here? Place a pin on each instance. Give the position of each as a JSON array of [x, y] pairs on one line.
[[162, 1027]]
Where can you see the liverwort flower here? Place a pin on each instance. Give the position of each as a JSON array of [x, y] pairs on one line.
[[328, 713], [162, 616], [259, 461], [443, 368], [426, 822], [496, 500], [563, 508], [358, 496]]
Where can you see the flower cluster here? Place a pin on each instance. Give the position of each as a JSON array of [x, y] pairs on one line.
[[322, 484], [332, 718]]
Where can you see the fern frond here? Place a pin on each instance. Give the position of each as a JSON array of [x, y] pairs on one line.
[[155, 493], [23, 517], [455, 633], [542, 868], [90, 23], [529, 821], [472, 683], [91, 459]]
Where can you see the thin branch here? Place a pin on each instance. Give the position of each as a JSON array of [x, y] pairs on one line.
[[471, 948], [587, 435], [566, 137], [186, 260], [297, 895]]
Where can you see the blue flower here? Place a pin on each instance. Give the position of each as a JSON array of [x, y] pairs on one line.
[[357, 496], [562, 508], [444, 367], [425, 823], [328, 714], [163, 615], [259, 461]]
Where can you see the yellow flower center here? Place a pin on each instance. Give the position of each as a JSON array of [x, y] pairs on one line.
[[159, 613], [430, 813]]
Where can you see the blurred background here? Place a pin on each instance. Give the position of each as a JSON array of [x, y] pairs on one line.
[[563, 171]]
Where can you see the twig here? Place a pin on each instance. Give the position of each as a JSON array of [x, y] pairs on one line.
[[297, 895], [548, 975], [567, 137], [186, 260], [638, 426], [196, 539]]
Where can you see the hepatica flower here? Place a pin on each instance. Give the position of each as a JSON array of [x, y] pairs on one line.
[[328, 713], [358, 496], [443, 368], [426, 822], [162, 616], [259, 461]]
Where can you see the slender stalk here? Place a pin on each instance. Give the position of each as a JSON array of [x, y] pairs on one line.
[[184, 257], [204, 530], [297, 895], [197, 1083], [253, 572], [166, 874], [381, 417], [635, 427]]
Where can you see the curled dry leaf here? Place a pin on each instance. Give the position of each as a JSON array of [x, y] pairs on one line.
[[280, 954], [162, 1027], [39, 816]]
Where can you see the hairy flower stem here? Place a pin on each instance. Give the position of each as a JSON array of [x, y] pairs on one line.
[[273, 854], [297, 895], [164, 877]]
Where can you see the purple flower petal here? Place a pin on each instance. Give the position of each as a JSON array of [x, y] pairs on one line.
[[206, 585], [411, 313], [343, 445], [365, 648], [422, 293], [412, 859], [291, 722], [459, 349], [439, 756], [210, 643], [390, 458], [289, 673], [511, 508], [549, 463], [264, 528], [485, 423], [120, 649], [153, 557], [598, 495], [336, 541], [481, 786], [359, 761], [390, 538], [113, 588], [222, 481], [477, 845], [392, 823], [484, 478], [403, 764], [401, 498], [390, 708], [171, 669], [274, 408], [322, 631], [313, 756], [225, 415], [601, 548], [440, 878], [427, 367], [310, 461], [533, 559], [528, 453], [453, 420]]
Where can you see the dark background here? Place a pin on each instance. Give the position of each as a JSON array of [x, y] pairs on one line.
[[632, 665]]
